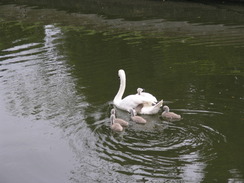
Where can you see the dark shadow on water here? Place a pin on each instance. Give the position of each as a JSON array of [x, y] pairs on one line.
[[185, 11]]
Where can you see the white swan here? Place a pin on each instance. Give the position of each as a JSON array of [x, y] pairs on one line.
[[132, 101], [147, 95]]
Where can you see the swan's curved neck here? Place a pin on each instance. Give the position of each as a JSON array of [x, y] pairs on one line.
[[121, 90]]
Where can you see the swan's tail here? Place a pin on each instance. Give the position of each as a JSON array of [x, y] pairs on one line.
[[157, 107], [151, 109], [159, 104]]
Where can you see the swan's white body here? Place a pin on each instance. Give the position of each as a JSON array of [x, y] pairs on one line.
[[151, 109], [147, 95], [132, 101]]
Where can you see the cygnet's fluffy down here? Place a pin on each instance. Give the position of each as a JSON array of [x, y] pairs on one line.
[[137, 119], [118, 120], [115, 126], [170, 115]]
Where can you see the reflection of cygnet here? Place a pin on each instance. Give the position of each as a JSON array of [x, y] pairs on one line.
[[118, 120], [137, 119], [169, 115], [115, 126]]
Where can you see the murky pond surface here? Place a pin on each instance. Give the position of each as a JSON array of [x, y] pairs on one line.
[[58, 77]]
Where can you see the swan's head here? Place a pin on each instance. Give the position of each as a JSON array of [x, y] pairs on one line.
[[112, 111], [139, 90], [166, 108], [121, 73]]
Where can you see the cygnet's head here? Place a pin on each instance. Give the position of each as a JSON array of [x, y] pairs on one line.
[[112, 111], [132, 112], [166, 108], [139, 90]]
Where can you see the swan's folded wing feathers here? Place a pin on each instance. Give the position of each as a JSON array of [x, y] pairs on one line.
[[149, 97], [132, 101]]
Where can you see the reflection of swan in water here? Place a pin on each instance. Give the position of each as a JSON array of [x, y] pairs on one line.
[[118, 120], [115, 126], [137, 119], [170, 115], [147, 95], [132, 101]]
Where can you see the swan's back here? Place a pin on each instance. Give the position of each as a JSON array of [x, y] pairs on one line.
[[132, 101], [149, 96]]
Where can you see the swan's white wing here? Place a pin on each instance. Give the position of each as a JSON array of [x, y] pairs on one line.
[[151, 109], [132, 101], [149, 96]]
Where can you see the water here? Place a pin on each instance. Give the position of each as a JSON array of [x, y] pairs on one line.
[[58, 77]]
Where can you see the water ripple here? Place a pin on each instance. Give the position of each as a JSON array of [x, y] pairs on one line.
[[37, 83], [34, 87], [21, 47], [166, 150]]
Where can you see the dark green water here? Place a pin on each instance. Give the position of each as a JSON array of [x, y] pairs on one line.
[[58, 77]]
